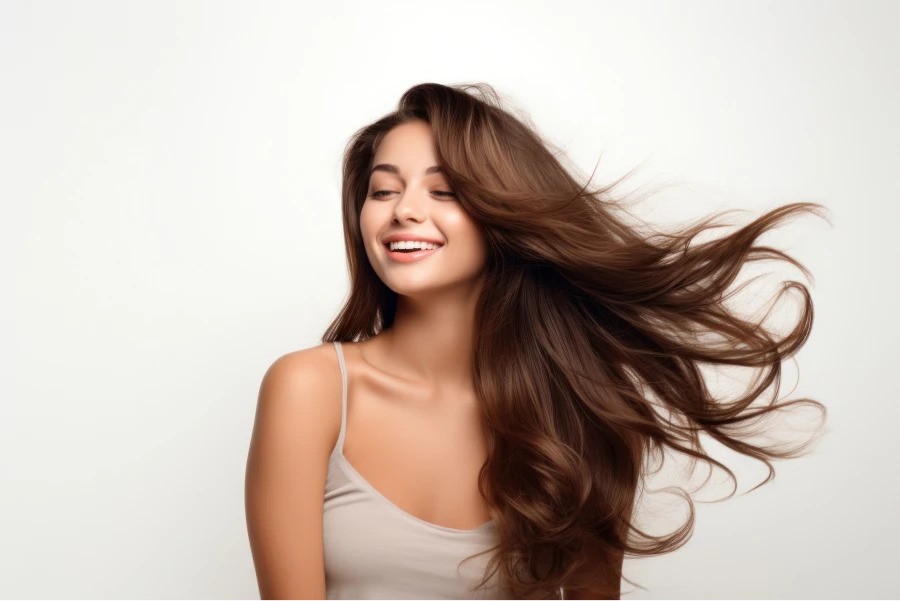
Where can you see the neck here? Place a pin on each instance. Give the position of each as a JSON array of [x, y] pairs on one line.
[[431, 338]]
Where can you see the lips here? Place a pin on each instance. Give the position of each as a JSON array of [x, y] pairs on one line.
[[411, 257], [387, 243], [409, 237]]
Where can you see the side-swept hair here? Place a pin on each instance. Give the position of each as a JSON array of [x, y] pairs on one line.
[[589, 339]]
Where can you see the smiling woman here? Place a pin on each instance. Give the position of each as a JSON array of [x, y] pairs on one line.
[[477, 420]]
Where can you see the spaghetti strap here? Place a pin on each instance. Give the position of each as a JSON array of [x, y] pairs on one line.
[[339, 446]]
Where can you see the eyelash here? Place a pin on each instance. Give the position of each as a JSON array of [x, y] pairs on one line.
[[437, 192]]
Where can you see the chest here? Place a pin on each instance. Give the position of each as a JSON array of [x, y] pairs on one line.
[[423, 459]]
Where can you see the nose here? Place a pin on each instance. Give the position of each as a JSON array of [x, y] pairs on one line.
[[409, 206]]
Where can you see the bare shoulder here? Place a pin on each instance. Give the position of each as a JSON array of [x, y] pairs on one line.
[[304, 384], [299, 370], [296, 427], [304, 361]]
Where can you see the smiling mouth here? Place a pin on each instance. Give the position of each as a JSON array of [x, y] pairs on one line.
[[387, 245], [410, 255]]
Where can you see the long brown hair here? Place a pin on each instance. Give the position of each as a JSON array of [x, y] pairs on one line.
[[588, 342]]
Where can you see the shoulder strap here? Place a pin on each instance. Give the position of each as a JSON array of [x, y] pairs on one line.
[[339, 446]]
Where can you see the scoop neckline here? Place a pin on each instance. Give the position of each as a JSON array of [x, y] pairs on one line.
[[402, 512]]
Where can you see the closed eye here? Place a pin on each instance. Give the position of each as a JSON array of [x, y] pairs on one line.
[[379, 193]]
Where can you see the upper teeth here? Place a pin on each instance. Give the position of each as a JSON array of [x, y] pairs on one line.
[[413, 244]]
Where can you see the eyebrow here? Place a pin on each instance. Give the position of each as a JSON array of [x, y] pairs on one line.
[[396, 170]]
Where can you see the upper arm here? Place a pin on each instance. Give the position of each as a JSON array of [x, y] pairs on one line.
[[293, 435]]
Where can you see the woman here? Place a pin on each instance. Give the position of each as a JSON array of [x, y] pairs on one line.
[[514, 348]]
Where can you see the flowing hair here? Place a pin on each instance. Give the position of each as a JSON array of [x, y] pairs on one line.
[[588, 342]]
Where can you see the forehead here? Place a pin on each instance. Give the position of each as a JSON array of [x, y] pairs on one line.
[[410, 143]]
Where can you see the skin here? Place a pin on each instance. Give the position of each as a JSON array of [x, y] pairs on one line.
[[430, 341]]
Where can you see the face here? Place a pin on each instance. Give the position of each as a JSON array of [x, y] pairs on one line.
[[409, 199]]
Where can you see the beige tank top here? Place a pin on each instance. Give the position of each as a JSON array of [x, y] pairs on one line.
[[375, 550]]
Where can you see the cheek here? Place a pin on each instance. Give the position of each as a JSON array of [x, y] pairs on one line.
[[368, 221], [368, 228], [365, 216], [459, 221], [463, 228]]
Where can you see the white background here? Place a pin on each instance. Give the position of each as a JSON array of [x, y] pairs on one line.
[[171, 224]]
